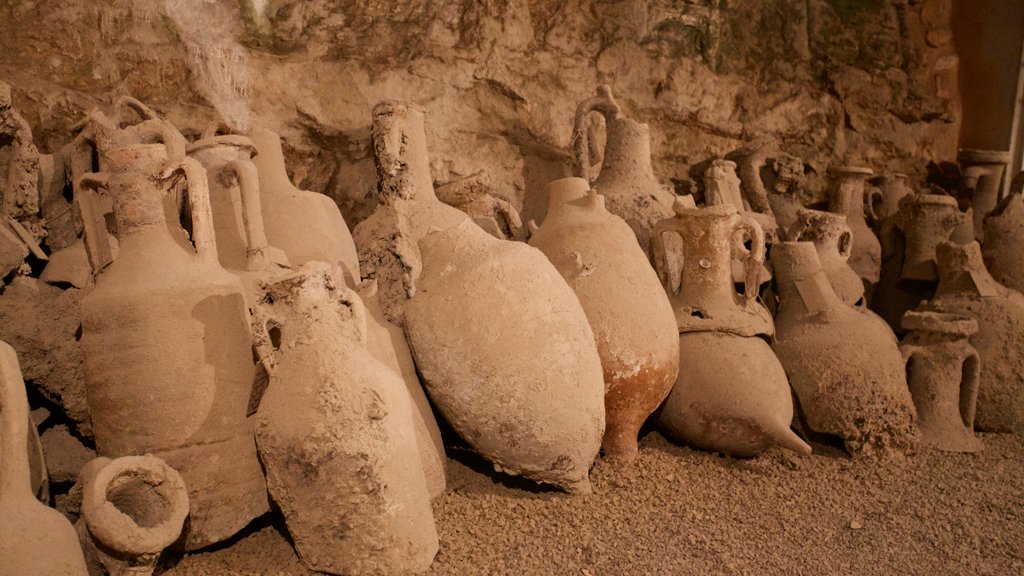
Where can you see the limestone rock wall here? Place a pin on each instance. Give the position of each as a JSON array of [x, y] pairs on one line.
[[870, 82]]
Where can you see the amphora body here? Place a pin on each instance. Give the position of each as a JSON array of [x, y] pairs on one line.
[[943, 371], [168, 361], [633, 324], [335, 432], [1004, 237], [507, 355], [731, 394], [35, 540], [966, 287], [843, 363]]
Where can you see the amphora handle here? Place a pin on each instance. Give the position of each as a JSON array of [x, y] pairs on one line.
[[969, 388], [605, 104], [754, 257], [200, 211]]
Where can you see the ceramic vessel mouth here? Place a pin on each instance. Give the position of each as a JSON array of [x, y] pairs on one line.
[[795, 260], [851, 171], [145, 156], [714, 211], [976, 156], [929, 200], [939, 323], [566, 190], [226, 140]]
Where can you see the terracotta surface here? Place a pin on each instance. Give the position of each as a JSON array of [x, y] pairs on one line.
[[1004, 237], [629, 313], [335, 433], [507, 355]]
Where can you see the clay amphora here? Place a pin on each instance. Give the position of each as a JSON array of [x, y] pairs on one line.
[[133, 508], [386, 342], [306, 225], [407, 210], [750, 159], [966, 287], [943, 371], [627, 179], [893, 188], [731, 394], [1004, 236], [335, 432], [833, 240], [843, 363], [168, 360], [982, 175], [633, 324], [847, 196], [507, 355], [35, 540]]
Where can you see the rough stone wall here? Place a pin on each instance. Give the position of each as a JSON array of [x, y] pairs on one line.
[[870, 82]]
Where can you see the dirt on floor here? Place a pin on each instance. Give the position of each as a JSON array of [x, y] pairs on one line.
[[679, 511]]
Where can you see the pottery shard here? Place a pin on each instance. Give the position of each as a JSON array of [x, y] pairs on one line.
[[507, 355], [41, 322]]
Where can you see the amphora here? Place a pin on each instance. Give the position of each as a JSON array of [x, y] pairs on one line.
[[943, 371], [626, 178], [35, 540], [966, 287], [847, 196], [833, 240], [597, 254], [1004, 237], [982, 176], [168, 360], [507, 355], [843, 363], [335, 432], [731, 394]]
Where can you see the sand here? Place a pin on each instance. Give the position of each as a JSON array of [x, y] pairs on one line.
[[679, 511]]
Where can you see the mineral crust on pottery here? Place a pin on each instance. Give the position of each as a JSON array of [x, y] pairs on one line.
[[133, 508], [943, 371], [335, 433], [833, 240], [626, 178], [407, 210], [168, 360], [306, 225], [507, 355], [731, 394], [847, 196], [966, 287], [597, 254], [843, 363], [35, 540]]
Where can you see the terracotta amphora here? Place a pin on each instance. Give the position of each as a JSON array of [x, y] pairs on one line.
[[982, 176], [242, 246], [843, 363], [335, 432], [633, 324], [386, 342], [507, 355], [305, 225], [1004, 237], [132, 508], [626, 178], [943, 371], [35, 540], [847, 196], [723, 186], [966, 287], [167, 346], [833, 240], [407, 208], [909, 271], [893, 188], [731, 394]]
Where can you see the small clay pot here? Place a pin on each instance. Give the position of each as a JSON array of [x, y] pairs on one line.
[[943, 371]]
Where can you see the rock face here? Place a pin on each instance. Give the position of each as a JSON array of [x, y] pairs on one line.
[[872, 83]]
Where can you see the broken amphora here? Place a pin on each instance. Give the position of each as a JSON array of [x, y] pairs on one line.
[[626, 178], [168, 359], [833, 240], [843, 362], [35, 540], [966, 287], [731, 394], [133, 507], [335, 432], [629, 313], [943, 372], [507, 355]]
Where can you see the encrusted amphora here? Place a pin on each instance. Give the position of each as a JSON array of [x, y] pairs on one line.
[[731, 394], [629, 313], [847, 196], [943, 372]]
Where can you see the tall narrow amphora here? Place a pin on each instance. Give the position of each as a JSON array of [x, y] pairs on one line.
[[731, 394], [168, 360], [633, 324]]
